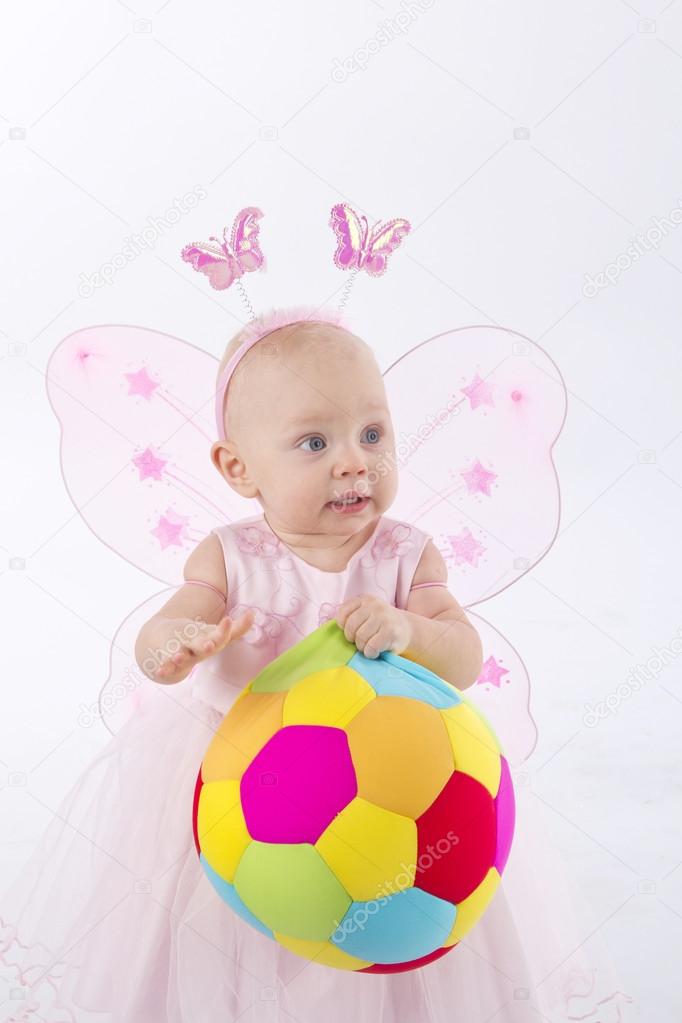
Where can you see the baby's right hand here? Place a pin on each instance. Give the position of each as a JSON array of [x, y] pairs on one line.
[[207, 641]]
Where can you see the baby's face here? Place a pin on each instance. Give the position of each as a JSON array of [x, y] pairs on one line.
[[314, 430]]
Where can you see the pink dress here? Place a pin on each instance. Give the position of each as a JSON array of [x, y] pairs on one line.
[[113, 920]]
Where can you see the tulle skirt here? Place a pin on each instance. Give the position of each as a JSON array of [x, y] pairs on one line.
[[112, 920]]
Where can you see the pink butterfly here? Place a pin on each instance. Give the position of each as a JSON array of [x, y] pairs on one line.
[[224, 262], [361, 247]]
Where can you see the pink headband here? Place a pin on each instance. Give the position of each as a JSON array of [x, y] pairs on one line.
[[254, 332]]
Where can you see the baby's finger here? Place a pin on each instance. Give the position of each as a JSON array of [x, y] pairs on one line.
[[219, 637], [209, 638], [355, 621], [242, 625], [168, 668], [225, 632], [215, 638], [347, 609], [377, 643]]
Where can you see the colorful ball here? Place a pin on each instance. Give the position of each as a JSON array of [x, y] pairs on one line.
[[357, 811]]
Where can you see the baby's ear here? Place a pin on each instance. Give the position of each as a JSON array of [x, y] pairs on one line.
[[232, 468]]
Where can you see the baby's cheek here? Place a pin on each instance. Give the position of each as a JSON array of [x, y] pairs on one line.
[[282, 496], [386, 478]]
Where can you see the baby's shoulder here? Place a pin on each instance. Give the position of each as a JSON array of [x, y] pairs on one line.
[[209, 560], [207, 564]]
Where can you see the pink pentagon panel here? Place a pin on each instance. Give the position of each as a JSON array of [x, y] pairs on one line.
[[505, 811], [297, 784]]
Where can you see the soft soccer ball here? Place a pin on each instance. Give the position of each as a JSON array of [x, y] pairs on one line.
[[357, 811]]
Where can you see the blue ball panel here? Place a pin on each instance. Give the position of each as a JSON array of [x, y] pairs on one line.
[[401, 927], [391, 675], [228, 893]]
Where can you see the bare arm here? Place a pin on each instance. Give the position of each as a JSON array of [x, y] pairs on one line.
[[192, 624], [441, 636], [432, 630]]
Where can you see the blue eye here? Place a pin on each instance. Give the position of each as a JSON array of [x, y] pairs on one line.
[[315, 443], [372, 435]]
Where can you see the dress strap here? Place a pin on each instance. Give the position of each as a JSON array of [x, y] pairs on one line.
[[200, 582], [419, 586]]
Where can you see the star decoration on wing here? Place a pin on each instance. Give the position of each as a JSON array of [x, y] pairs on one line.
[[491, 673], [478, 479], [150, 466], [141, 383], [479, 392]]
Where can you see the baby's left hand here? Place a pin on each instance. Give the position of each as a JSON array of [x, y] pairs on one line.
[[374, 626]]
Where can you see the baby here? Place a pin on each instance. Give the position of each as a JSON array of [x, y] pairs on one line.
[[309, 436]]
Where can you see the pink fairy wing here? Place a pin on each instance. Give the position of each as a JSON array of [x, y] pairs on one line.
[[351, 236], [214, 262], [127, 690], [384, 239], [502, 693], [476, 413], [244, 239], [135, 408]]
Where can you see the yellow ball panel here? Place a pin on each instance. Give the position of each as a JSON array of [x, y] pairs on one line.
[[331, 697], [223, 836], [387, 738], [474, 747], [368, 848], [323, 952], [245, 729], [493, 737], [471, 909]]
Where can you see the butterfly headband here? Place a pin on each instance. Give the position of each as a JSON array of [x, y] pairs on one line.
[[358, 247]]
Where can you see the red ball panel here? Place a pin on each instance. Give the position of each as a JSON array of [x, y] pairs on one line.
[[413, 964], [195, 810], [456, 840]]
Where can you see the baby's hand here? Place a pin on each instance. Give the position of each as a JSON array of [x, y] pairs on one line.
[[209, 640], [374, 626]]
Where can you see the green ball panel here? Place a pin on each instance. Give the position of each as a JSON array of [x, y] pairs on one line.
[[327, 647], [291, 889]]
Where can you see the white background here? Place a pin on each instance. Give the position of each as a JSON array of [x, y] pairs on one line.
[[527, 143]]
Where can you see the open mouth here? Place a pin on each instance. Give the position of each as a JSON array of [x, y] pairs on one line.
[[349, 503]]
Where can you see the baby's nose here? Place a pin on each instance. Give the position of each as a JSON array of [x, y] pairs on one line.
[[351, 463]]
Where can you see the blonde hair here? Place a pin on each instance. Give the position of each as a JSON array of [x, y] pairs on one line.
[[303, 320], [303, 332]]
